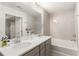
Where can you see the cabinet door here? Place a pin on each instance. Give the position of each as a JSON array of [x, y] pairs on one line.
[[37, 54], [48, 47], [42, 49], [1, 54], [33, 52], [42, 52]]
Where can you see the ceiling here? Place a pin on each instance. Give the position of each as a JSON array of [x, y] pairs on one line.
[[50, 7], [55, 7], [25, 7]]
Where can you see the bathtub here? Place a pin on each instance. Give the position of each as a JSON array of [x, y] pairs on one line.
[[61, 47]]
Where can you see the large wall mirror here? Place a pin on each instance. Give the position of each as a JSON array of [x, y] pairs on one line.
[[13, 26]]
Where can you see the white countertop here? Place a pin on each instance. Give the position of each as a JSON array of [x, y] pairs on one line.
[[35, 41]]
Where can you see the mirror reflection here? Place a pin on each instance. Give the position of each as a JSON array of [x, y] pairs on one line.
[[13, 26]]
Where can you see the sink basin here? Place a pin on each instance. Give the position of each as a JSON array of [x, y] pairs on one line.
[[22, 45]]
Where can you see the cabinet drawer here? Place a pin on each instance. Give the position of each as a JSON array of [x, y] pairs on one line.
[[33, 52]]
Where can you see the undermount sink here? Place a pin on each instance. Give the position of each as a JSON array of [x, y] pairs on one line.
[[22, 45]]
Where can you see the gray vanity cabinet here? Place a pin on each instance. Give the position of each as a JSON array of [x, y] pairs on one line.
[[43, 49], [48, 47], [33, 52]]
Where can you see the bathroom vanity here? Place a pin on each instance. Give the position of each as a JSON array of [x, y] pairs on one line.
[[41, 50], [35, 46]]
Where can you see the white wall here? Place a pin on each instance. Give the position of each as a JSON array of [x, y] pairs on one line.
[[6, 10], [77, 24], [62, 25], [46, 23]]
